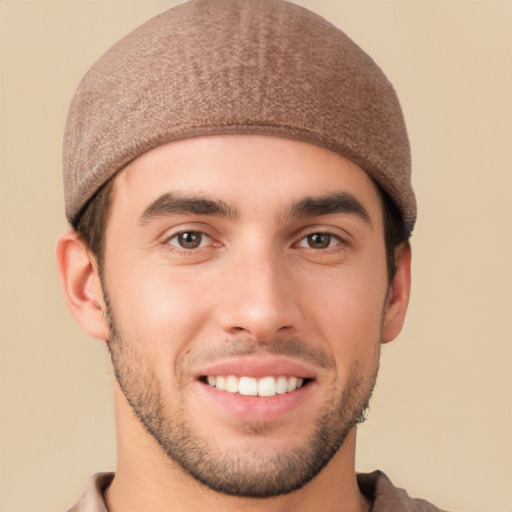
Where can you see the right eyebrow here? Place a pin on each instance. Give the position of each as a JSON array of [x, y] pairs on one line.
[[342, 202], [168, 204]]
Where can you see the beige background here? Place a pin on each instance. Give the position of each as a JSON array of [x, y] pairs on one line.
[[441, 421]]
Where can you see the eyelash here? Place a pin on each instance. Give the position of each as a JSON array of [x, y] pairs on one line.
[[188, 232], [332, 242], [330, 245]]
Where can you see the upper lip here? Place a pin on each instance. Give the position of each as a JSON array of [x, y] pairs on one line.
[[258, 366]]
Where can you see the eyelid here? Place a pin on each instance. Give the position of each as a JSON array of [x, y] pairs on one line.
[[186, 227], [203, 243], [333, 236], [331, 230], [189, 227]]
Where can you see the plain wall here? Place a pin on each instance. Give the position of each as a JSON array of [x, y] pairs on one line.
[[441, 419]]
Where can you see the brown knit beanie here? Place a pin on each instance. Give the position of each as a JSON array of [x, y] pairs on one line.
[[212, 67]]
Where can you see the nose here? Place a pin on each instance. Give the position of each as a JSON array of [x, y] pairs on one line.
[[258, 297]]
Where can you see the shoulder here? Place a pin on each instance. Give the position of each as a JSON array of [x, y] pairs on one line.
[[385, 497], [92, 498]]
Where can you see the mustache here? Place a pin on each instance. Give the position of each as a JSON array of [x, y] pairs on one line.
[[295, 348]]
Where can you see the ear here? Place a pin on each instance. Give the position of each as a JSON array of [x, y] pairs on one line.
[[78, 274], [398, 294]]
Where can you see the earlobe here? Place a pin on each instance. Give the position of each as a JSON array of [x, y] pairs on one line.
[[398, 297], [81, 284]]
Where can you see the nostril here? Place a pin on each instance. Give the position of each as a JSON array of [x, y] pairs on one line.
[[261, 318]]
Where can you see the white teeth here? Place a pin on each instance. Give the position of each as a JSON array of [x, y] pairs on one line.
[[249, 386], [267, 386], [292, 384], [221, 382], [281, 385], [231, 384]]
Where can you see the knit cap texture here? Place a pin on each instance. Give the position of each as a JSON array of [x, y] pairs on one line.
[[213, 67]]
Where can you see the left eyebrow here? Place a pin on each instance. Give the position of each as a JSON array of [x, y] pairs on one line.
[[168, 204], [342, 202]]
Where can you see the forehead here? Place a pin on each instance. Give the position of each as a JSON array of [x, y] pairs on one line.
[[246, 171]]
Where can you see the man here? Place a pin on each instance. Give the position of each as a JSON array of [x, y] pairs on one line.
[[237, 179]]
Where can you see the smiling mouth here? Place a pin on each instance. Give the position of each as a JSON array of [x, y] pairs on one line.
[[251, 386]]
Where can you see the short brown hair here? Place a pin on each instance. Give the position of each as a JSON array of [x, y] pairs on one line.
[[91, 223]]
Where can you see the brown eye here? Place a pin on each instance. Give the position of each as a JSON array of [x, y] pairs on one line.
[[189, 240], [319, 240]]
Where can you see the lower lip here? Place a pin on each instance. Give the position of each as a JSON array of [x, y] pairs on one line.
[[257, 408]]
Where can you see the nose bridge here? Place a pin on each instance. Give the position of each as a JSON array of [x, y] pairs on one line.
[[259, 299]]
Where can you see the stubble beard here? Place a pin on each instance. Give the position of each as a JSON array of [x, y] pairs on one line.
[[245, 473]]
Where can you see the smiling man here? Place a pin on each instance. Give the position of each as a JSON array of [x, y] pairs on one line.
[[237, 180]]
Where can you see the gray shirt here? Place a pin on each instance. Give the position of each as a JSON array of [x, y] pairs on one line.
[[376, 487]]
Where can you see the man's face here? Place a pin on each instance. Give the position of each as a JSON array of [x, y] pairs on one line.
[[253, 264]]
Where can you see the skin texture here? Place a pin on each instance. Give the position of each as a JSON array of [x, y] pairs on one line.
[[280, 282]]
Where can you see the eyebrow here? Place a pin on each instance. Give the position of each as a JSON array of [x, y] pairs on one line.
[[342, 202], [168, 204], [172, 203]]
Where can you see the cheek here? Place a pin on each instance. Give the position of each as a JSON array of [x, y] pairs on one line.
[[158, 306], [346, 307]]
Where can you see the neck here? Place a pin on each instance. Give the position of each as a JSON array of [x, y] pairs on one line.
[[146, 479]]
